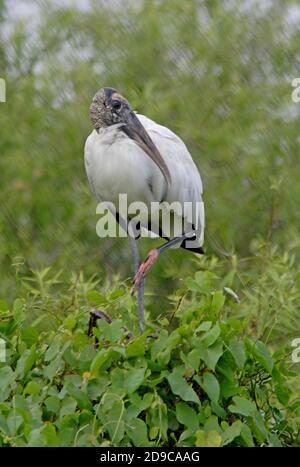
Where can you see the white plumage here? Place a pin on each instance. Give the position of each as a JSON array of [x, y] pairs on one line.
[[117, 164]]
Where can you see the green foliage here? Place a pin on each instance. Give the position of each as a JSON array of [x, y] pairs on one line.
[[203, 383]]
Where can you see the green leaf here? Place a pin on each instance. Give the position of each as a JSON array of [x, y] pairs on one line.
[[117, 294], [53, 350], [218, 301], [211, 386], [262, 354], [136, 348], [68, 406], [282, 393], [18, 311], [205, 326], [137, 432], [114, 421], [134, 379], [53, 368], [242, 406], [96, 298], [212, 354], [213, 439], [180, 387], [52, 404], [49, 435], [159, 344], [36, 438], [97, 386], [99, 360], [210, 336], [7, 376], [200, 439], [30, 335], [193, 358], [32, 388], [187, 416], [26, 362], [70, 322], [232, 432], [111, 331], [237, 350], [79, 395], [246, 436]]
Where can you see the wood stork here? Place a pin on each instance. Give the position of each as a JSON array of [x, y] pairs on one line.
[[130, 154]]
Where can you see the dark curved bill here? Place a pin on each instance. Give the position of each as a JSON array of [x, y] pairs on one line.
[[135, 130]]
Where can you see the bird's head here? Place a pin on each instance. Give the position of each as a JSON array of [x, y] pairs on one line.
[[109, 107]]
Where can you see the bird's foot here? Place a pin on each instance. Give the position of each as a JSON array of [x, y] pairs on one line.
[[144, 268]]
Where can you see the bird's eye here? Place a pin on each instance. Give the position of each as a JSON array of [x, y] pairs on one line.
[[116, 105]]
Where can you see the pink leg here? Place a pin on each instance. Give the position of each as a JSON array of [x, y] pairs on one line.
[[144, 268]]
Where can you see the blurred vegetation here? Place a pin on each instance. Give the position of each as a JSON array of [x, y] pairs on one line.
[[218, 74]]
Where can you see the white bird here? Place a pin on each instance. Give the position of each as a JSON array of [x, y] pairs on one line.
[[127, 153]]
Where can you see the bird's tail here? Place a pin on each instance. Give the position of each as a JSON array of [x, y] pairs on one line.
[[197, 249]]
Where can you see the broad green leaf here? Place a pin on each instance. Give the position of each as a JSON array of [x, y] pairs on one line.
[[36, 438], [212, 354], [246, 436], [111, 331], [68, 406], [99, 360], [200, 439], [242, 406], [213, 439], [137, 432], [70, 322], [114, 422], [238, 352], [30, 335], [159, 344], [134, 379], [96, 298], [205, 326], [211, 386], [180, 387], [260, 351], [96, 386], [232, 432], [49, 435], [193, 358], [187, 416], [26, 362], [210, 336], [136, 348], [32, 388], [7, 376], [282, 393], [18, 311], [218, 301], [80, 396], [52, 404], [53, 368]]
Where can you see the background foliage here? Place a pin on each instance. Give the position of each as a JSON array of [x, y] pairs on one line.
[[217, 73]]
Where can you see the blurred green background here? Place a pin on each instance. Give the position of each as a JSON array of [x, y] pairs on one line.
[[217, 73]]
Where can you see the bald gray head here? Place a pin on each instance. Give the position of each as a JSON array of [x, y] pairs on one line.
[[109, 107]]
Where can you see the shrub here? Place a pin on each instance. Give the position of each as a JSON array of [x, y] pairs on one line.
[[203, 382]]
